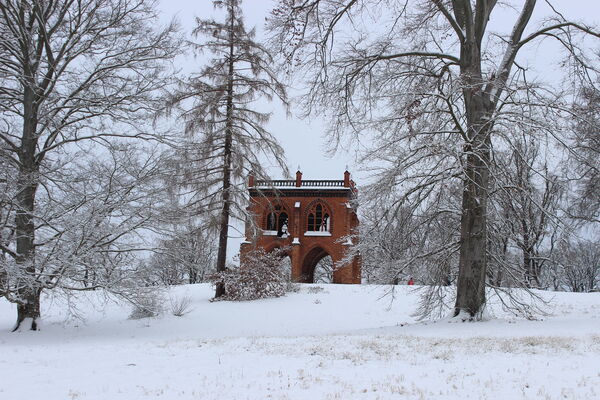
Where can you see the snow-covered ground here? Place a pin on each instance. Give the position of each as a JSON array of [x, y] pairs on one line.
[[338, 342]]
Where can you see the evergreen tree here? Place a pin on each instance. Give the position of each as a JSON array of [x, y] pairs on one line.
[[226, 134]]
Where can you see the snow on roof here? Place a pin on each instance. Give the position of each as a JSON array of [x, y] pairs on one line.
[[263, 187]]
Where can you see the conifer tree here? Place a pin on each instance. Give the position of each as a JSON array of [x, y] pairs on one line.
[[225, 131]]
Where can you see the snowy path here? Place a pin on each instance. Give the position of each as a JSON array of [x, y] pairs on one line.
[[340, 343]]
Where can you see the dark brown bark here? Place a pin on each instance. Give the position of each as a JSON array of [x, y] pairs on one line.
[[470, 296], [226, 187], [29, 310], [28, 294]]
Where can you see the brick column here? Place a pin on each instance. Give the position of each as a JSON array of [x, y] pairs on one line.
[[346, 179]]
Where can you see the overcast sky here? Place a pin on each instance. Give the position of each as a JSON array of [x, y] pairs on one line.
[[303, 140]]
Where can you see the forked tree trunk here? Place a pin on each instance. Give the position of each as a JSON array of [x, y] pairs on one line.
[[226, 186]]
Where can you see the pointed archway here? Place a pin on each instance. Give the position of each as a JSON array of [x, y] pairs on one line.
[[315, 219], [311, 259]]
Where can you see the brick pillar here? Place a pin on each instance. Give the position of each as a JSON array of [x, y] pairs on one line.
[[296, 256], [251, 180], [342, 273], [346, 178], [298, 178]]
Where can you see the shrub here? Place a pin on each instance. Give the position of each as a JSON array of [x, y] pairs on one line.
[[260, 276], [181, 306], [315, 289], [146, 307]]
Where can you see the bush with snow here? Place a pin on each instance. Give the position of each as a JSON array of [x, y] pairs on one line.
[[261, 276], [181, 306], [148, 305]]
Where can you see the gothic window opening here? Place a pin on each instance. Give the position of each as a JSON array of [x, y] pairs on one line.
[[271, 221], [319, 219], [282, 227], [277, 221]]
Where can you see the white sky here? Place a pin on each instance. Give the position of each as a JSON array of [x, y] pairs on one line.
[[303, 140]]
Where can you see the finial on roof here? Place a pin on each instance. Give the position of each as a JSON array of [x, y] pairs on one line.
[[298, 177], [346, 178]]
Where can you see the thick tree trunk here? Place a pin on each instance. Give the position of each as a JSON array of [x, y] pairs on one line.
[[29, 289], [470, 291], [28, 312], [470, 296], [226, 185]]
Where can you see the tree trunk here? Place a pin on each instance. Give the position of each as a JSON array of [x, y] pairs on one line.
[[28, 312], [224, 230], [470, 296], [500, 273], [29, 289], [528, 264], [470, 291]]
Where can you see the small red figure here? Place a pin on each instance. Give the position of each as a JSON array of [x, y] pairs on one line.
[[411, 281]]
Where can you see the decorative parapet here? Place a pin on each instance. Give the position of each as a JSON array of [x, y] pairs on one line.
[[299, 183]]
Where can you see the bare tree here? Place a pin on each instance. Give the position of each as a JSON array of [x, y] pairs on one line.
[[71, 71], [586, 158], [529, 197], [404, 242], [227, 134], [580, 262], [437, 89], [188, 256]]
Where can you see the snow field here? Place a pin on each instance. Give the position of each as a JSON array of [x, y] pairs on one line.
[[339, 342]]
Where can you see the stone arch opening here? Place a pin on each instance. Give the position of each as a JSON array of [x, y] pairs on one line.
[[286, 260], [319, 258], [323, 272]]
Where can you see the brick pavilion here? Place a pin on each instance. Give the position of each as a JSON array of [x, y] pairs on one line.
[[311, 218]]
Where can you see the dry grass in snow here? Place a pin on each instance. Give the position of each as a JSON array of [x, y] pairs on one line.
[[342, 342]]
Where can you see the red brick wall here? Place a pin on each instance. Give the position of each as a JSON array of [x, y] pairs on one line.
[[310, 248]]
